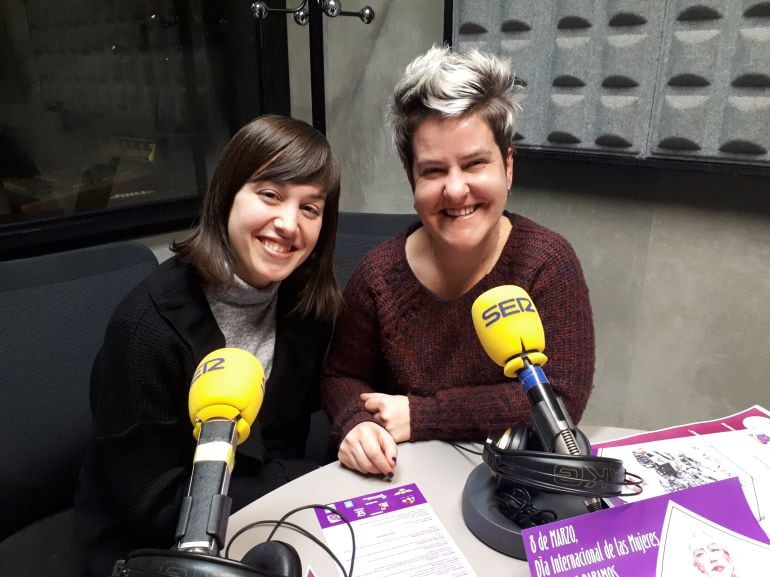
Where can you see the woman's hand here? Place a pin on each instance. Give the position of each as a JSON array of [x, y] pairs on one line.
[[390, 411], [369, 448]]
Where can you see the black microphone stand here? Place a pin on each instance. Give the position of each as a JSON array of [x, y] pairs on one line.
[[536, 475], [203, 523], [483, 516], [555, 433]]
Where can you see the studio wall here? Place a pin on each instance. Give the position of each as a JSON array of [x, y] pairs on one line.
[[677, 260]]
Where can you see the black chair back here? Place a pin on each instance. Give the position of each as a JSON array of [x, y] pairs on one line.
[[53, 313], [358, 233]]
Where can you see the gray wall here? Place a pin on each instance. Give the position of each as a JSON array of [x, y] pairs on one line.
[[677, 262], [678, 267]]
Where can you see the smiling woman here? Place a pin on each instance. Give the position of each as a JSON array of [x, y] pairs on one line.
[[405, 363], [273, 228], [461, 182], [255, 274], [282, 152]]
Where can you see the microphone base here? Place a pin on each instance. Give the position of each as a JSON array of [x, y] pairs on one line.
[[172, 563], [484, 519]]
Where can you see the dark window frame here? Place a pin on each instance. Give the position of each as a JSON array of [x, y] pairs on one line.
[[255, 82]]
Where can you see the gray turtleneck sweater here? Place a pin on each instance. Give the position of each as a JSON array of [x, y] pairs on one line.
[[247, 318]]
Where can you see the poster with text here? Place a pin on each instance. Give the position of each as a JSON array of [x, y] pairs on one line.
[[658, 537]]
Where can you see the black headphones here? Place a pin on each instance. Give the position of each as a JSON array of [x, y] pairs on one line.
[[269, 559], [518, 456]]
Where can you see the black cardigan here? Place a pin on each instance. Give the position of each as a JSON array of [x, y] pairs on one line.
[[137, 470]]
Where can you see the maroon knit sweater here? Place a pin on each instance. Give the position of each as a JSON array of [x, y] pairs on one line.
[[395, 336]]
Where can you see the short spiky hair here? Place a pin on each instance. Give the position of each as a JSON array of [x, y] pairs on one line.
[[448, 84]]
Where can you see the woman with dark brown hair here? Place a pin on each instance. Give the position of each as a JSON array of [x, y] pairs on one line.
[[256, 273]]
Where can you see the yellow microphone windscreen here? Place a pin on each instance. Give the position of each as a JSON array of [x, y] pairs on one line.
[[508, 326], [228, 384]]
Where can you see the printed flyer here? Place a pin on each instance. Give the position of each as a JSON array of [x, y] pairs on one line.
[[705, 530], [397, 535]]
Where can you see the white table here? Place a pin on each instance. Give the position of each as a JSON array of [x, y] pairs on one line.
[[439, 470]]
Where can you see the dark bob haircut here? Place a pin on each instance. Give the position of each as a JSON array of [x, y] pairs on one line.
[[282, 150]]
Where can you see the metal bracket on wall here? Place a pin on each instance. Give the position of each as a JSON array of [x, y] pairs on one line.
[[310, 13], [331, 8]]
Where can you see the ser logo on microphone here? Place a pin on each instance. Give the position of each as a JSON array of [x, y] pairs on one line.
[[215, 364], [507, 308]]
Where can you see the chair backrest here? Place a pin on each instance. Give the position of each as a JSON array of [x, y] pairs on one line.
[[358, 233], [53, 313]]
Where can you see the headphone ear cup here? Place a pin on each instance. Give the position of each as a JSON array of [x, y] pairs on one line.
[[583, 442], [515, 439], [520, 438], [280, 559]]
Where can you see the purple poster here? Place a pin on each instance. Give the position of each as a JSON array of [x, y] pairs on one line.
[[703, 530]]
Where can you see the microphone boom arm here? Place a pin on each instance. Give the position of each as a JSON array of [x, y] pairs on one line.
[[550, 418]]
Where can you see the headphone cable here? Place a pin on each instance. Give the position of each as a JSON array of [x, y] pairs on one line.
[[283, 522]]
